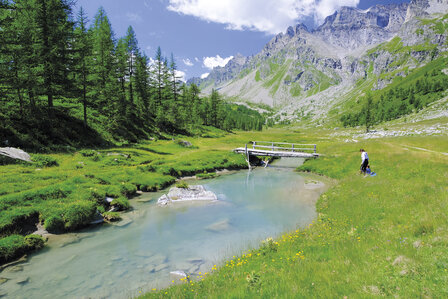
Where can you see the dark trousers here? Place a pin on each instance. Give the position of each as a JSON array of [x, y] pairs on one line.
[[364, 165]]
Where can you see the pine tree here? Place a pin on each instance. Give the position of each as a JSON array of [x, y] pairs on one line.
[[121, 64], [142, 86], [132, 52], [103, 72], [54, 29], [368, 114], [214, 108], [158, 78], [83, 60]]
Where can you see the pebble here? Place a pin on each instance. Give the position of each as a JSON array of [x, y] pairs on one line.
[[22, 280]]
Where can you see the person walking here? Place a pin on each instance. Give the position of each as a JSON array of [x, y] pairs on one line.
[[364, 160]]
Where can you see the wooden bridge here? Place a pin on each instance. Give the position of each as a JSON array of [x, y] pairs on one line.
[[278, 149]]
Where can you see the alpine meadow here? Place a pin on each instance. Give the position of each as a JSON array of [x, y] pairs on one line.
[[128, 172]]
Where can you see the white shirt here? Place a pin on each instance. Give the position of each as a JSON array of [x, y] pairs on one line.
[[364, 156]]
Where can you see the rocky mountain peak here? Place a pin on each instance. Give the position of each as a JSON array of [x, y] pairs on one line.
[[297, 30], [354, 28], [422, 8]]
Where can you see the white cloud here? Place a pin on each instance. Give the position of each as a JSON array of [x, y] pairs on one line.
[[196, 59], [181, 76], [133, 17], [260, 15], [212, 62], [187, 62], [203, 76]]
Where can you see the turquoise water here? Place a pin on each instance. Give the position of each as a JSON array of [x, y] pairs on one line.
[[119, 262]]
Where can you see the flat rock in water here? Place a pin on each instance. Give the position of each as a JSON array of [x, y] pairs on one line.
[[219, 226], [195, 260], [161, 267], [142, 253], [158, 259], [122, 223], [22, 280], [312, 185], [17, 268], [3, 280], [69, 239], [147, 199], [192, 193]]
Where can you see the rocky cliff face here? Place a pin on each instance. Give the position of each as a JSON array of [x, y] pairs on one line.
[[308, 72]]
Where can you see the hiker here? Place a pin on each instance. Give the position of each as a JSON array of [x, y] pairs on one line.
[[365, 160]]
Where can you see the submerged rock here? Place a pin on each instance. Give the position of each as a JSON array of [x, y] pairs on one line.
[[22, 280], [3, 280], [219, 226], [161, 267], [192, 193]]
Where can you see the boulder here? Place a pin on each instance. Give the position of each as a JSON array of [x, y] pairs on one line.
[[192, 193], [15, 153], [177, 275], [185, 143]]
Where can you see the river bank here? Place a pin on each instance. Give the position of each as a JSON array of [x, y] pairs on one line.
[[119, 261], [64, 191], [375, 236]]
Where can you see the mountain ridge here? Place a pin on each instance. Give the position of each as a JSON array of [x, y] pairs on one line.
[[306, 71]]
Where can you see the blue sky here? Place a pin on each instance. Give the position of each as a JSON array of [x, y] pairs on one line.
[[205, 33]]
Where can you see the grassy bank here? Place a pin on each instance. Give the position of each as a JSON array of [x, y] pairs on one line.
[[64, 191], [375, 236]]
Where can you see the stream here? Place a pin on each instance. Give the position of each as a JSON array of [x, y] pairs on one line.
[[120, 261]]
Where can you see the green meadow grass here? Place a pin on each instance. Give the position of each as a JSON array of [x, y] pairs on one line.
[[374, 236]]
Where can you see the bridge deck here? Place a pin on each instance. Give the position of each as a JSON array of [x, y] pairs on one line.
[[270, 153]]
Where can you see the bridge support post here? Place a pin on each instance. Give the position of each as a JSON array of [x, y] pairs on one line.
[[248, 158]]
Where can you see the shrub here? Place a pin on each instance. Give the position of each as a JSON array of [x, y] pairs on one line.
[[112, 216], [268, 246], [206, 175], [253, 280], [54, 224], [15, 246], [121, 203], [79, 214], [113, 191], [182, 185], [88, 153], [34, 242], [128, 189], [12, 247], [44, 161], [146, 168]]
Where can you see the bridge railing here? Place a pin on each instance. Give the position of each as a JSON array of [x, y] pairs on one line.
[[283, 146]]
